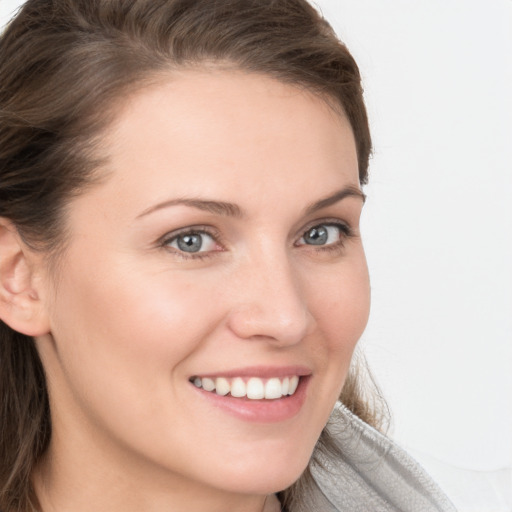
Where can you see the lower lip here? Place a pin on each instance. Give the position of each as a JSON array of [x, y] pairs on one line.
[[260, 411]]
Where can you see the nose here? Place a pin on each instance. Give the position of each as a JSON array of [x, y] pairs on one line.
[[269, 302]]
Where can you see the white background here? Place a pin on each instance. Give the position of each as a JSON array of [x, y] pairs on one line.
[[438, 221]]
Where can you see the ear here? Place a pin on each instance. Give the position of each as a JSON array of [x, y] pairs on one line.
[[21, 307]]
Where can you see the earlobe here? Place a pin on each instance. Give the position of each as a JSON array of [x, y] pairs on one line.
[[21, 307]]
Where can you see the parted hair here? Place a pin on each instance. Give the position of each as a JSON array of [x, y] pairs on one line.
[[65, 65]]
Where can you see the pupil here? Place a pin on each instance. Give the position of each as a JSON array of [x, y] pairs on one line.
[[316, 236], [190, 243]]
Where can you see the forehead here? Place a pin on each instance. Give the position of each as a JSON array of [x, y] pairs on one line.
[[196, 132]]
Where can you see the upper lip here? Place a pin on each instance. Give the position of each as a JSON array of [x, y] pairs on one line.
[[264, 372]]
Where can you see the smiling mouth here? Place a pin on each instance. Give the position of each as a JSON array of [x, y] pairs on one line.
[[252, 388]]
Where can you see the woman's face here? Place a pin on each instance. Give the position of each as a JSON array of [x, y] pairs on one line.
[[223, 244]]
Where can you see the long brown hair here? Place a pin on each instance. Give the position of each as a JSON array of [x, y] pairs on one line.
[[64, 66]]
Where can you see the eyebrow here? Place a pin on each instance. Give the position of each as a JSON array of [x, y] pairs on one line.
[[215, 207], [349, 191], [233, 210]]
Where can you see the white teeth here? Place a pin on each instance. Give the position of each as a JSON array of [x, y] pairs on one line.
[[208, 384], [238, 388], [285, 386], [254, 389], [294, 382], [273, 389], [222, 386]]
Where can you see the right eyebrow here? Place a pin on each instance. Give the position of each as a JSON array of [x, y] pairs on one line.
[[215, 207], [350, 191]]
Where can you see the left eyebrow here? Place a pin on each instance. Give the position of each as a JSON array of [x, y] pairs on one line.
[[334, 198], [215, 207]]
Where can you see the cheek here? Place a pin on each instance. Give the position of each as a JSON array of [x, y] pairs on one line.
[[126, 332], [122, 348], [340, 303], [130, 308]]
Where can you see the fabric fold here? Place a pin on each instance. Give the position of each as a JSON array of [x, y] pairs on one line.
[[370, 473]]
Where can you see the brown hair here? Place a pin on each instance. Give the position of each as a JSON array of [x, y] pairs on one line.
[[64, 66]]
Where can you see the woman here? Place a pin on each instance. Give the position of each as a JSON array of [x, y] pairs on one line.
[[183, 282]]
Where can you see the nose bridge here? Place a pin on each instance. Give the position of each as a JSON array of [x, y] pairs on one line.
[[270, 303]]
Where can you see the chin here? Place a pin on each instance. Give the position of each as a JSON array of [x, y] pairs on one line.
[[267, 474], [266, 481]]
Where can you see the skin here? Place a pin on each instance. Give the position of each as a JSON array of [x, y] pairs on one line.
[[131, 318]]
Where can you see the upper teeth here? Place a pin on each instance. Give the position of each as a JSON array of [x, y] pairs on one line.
[[253, 388]]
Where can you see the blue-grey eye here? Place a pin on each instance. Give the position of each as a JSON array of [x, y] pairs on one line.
[[193, 242], [323, 234]]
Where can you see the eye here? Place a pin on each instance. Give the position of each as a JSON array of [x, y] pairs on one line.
[[324, 234], [192, 242]]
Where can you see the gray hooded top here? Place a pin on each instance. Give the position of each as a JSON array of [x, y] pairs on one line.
[[372, 474]]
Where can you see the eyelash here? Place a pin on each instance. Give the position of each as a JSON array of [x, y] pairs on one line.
[[345, 231]]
